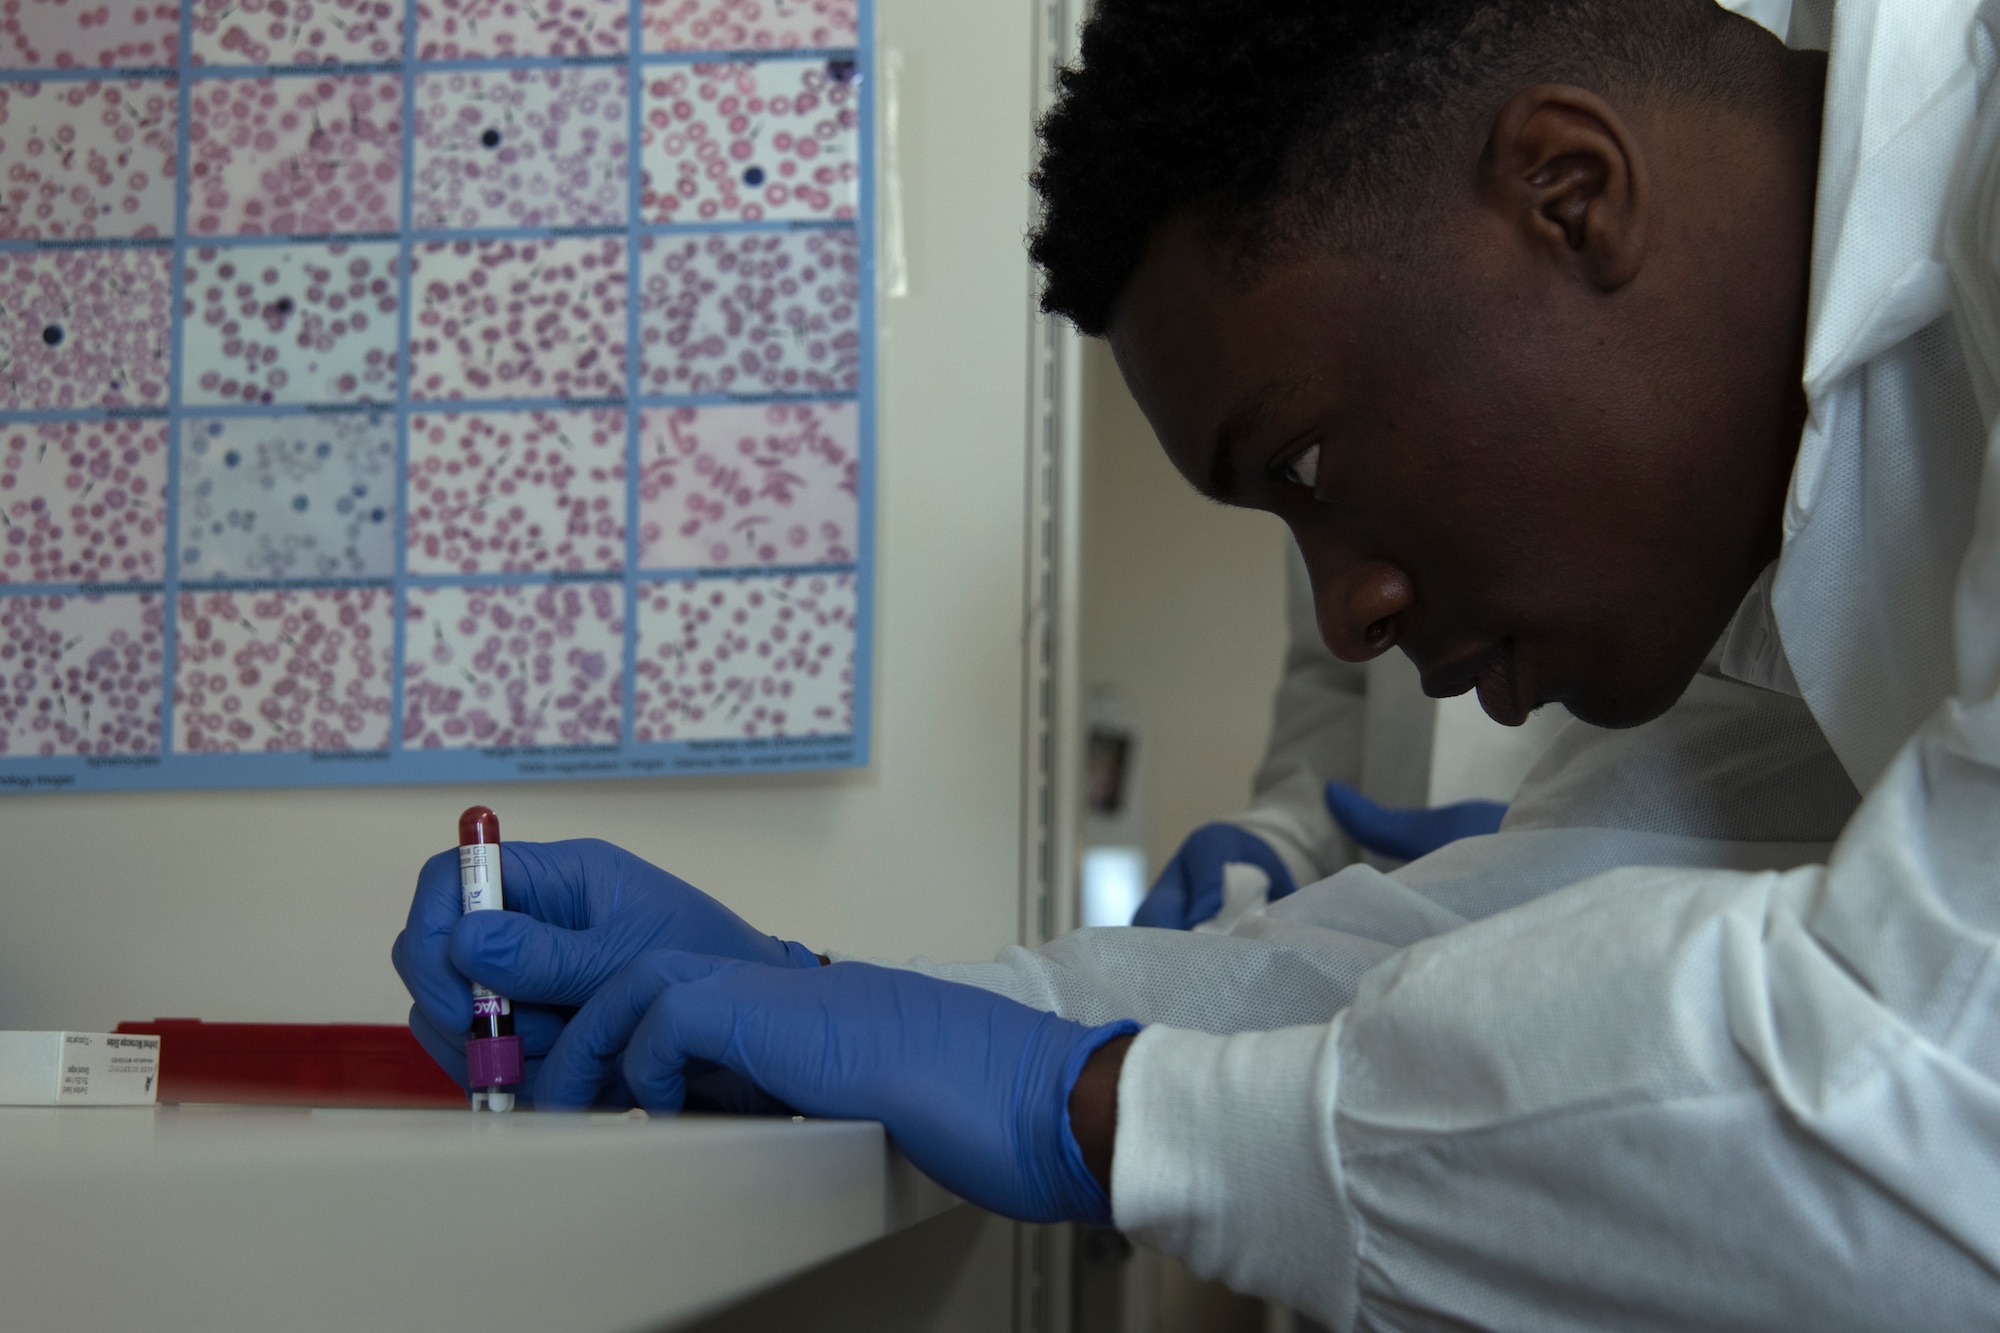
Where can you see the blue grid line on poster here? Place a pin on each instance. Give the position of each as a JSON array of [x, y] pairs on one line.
[[628, 678], [649, 59], [177, 364], [602, 542], [399, 603]]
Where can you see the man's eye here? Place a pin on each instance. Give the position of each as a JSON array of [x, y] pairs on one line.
[[1304, 470]]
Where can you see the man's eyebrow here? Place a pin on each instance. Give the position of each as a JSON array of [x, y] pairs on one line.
[[1221, 484]]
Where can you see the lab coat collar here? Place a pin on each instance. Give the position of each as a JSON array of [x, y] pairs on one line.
[[1751, 649], [1902, 91]]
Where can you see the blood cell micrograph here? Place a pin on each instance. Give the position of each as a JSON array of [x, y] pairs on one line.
[[518, 319], [296, 32], [290, 324], [83, 674], [745, 656], [87, 159], [83, 501], [504, 492], [750, 484], [521, 148], [326, 427], [464, 29], [513, 665], [307, 154], [88, 34], [288, 497], [751, 313], [288, 669], [84, 328], [748, 25], [770, 140]]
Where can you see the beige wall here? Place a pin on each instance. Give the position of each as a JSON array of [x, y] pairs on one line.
[[1183, 612], [280, 905]]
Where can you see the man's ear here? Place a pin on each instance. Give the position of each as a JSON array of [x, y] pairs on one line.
[[1561, 167]]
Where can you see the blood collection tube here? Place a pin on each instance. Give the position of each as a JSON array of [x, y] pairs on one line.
[[493, 1056]]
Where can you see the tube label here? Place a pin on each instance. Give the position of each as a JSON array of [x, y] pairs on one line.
[[479, 876], [479, 885]]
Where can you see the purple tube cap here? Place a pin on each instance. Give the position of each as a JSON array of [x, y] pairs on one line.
[[491, 1062]]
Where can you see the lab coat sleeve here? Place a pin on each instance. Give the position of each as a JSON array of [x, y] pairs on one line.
[[1213, 983], [1657, 1100], [1317, 734], [1763, 792], [1302, 959]]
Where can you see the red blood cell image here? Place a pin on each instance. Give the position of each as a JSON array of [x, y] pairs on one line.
[[518, 319], [521, 148], [84, 328], [309, 496], [755, 313], [756, 484], [290, 324], [748, 25], [745, 656], [537, 665], [302, 155], [301, 669], [296, 32], [88, 34], [501, 492], [84, 160], [81, 674], [751, 141], [83, 501], [458, 29]]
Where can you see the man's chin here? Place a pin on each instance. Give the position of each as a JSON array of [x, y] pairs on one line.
[[1619, 711]]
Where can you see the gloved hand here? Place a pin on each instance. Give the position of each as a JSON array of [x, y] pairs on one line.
[[537, 1026], [1409, 834], [972, 1086], [1189, 891], [579, 912], [710, 1086]]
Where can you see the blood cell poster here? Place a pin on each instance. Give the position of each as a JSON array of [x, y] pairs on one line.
[[433, 390]]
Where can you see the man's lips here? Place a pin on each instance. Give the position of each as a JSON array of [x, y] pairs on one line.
[[1462, 673], [1500, 691], [1492, 673]]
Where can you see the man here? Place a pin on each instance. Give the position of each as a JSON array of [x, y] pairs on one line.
[[1586, 365]]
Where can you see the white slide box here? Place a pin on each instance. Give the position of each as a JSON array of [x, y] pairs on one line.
[[78, 1069]]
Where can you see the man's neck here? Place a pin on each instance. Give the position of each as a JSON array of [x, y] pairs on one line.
[[1805, 96]]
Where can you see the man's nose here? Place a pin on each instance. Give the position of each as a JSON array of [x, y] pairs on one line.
[[1359, 604]]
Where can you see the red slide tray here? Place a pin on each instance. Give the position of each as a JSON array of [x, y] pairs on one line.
[[296, 1064]]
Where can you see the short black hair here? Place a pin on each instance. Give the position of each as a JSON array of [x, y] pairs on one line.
[[1270, 116]]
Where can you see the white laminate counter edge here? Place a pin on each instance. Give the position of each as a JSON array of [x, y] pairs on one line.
[[175, 1219]]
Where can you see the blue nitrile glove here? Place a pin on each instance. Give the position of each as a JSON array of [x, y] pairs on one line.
[[972, 1086], [710, 1086], [1189, 891], [1409, 834], [578, 912], [538, 1026]]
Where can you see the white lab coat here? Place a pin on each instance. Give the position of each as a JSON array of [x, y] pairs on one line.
[[1751, 1079]]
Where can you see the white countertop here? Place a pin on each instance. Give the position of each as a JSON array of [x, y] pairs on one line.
[[222, 1218]]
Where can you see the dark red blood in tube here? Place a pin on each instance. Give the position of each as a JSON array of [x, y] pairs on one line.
[[478, 825]]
